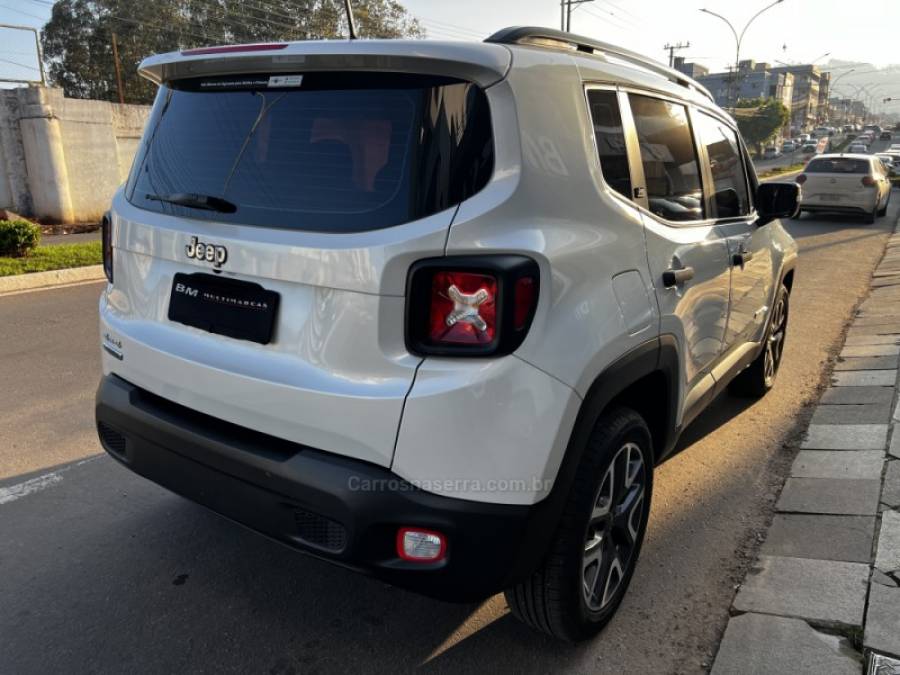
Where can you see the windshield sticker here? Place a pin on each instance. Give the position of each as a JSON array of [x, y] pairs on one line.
[[285, 80]]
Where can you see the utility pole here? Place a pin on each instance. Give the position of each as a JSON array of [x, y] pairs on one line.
[[115, 48], [675, 48], [565, 18]]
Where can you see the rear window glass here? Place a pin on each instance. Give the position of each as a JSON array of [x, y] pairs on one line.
[[326, 152], [610, 139], [838, 165]]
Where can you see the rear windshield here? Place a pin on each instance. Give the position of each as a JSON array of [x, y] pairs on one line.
[[325, 152], [838, 165]]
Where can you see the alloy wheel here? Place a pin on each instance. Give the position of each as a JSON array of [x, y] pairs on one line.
[[775, 341], [613, 531]]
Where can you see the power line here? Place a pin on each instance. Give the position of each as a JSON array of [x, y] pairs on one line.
[[20, 65]]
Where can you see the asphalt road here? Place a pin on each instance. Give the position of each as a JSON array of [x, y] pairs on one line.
[[103, 572]]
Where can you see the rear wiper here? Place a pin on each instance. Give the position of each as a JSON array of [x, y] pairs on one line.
[[193, 200]]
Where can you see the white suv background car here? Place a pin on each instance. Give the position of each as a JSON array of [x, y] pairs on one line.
[[433, 311]]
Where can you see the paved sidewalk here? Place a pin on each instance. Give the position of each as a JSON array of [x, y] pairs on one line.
[[824, 594]]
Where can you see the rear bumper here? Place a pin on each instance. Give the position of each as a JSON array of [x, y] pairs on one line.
[[339, 509]]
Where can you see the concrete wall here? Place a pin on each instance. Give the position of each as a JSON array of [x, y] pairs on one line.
[[62, 159]]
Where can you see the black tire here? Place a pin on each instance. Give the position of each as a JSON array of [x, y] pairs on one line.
[[869, 218], [758, 378], [883, 210], [603, 523], [797, 215]]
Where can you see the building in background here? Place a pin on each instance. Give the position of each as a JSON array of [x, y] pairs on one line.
[[690, 68], [824, 111], [807, 85]]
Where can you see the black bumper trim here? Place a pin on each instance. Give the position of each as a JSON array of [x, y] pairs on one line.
[[263, 483]]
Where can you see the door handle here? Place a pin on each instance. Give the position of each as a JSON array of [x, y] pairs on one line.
[[741, 259], [673, 277]]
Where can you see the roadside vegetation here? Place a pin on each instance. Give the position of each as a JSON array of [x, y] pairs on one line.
[[777, 171], [46, 258]]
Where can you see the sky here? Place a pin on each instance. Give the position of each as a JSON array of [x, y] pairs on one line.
[[793, 31]]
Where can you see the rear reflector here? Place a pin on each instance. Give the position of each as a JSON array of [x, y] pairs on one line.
[[868, 181], [417, 545], [801, 179], [229, 49]]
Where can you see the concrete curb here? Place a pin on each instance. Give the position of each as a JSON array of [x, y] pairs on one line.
[[39, 280], [829, 569]]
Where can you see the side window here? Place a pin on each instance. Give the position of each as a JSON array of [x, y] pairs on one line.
[[610, 139], [671, 169], [729, 198]]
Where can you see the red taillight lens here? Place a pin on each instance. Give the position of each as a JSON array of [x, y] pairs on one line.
[[106, 236], [463, 308], [470, 305], [801, 179], [868, 181], [524, 299]]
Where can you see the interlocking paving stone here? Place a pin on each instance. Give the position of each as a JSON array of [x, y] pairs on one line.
[[829, 591], [887, 558], [873, 340], [837, 496], [894, 447], [857, 395], [838, 464], [869, 363], [863, 378], [847, 538], [882, 631], [890, 489], [756, 643], [879, 413], [870, 350], [845, 437]]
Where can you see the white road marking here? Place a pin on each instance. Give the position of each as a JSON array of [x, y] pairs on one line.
[[25, 488]]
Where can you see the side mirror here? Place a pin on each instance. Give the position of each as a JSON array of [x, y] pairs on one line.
[[776, 200]]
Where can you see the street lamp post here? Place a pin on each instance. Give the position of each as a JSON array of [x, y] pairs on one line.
[[738, 39], [838, 79]]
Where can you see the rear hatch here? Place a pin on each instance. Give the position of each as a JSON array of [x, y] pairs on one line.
[[262, 243], [835, 180]]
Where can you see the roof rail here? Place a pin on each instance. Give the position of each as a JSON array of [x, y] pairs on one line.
[[549, 37]]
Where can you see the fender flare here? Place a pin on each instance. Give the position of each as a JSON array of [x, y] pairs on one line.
[[659, 355]]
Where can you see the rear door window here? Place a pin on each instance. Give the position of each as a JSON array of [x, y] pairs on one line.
[[669, 158], [325, 152], [610, 139], [730, 196]]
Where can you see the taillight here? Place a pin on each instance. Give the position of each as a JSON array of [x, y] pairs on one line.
[[463, 308], [106, 236], [801, 179], [868, 181], [470, 306]]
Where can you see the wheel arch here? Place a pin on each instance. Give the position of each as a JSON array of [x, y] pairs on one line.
[[638, 380]]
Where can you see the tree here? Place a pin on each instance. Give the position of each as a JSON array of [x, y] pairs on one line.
[[760, 119], [77, 40]]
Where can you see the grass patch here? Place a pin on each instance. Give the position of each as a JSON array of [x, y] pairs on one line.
[[782, 169], [45, 258]]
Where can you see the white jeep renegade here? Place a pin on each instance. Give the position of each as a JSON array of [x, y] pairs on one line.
[[434, 311]]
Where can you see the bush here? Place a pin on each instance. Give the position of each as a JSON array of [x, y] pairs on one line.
[[18, 237]]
